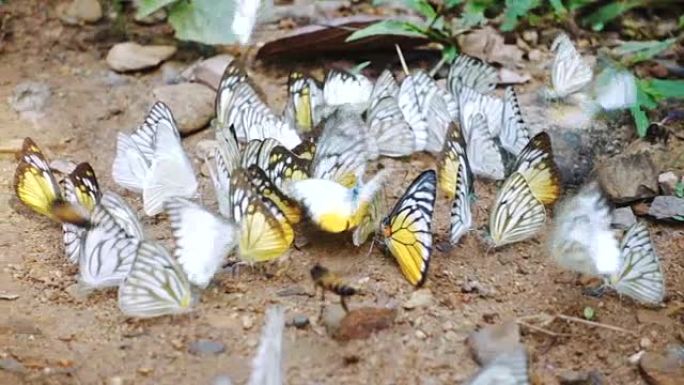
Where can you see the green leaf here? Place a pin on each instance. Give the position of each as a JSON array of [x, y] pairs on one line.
[[558, 8], [421, 6], [679, 189], [204, 21], [388, 27], [640, 120], [574, 5], [608, 12], [514, 10], [473, 13], [146, 7], [589, 313], [359, 67], [664, 89], [681, 21], [638, 51], [449, 52], [449, 4]]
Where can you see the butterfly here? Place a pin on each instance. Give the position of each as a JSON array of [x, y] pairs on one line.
[[569, 72], [342, 150], [386, 126], [581, 239], [258, 152], [407, 229], [152, 161], [427, 85], [472, 73], [615, 89], [305, 99], [333, 207], [267, 365], [108, 246], [517, 215], [370, 220], [284, 166], [81, 188], [385, 86], [507, 368], [535, 162], [199, 253], [346, 88], [305, 150], [456, 181], [514, 133], [472, 102], [233, 75], [37, 188], [640, 275], [264, 231], [484, 153], [155, 285], [266, 189]]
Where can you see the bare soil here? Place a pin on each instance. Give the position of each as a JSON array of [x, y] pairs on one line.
[[62, 339]]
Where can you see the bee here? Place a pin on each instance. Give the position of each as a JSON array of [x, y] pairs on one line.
[[323, 278]]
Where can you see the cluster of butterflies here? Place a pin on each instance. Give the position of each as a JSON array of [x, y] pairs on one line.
[[270, 171]]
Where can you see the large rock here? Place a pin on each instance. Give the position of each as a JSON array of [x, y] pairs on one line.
[[192, 104], [663, 369], [493, 340], [208, 71], [629, 176], [361, 323], [129, 56], [80, 11]]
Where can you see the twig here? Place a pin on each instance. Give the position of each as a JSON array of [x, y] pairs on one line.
[[401, 59], [542, 330], [438, 66], [592, 323]]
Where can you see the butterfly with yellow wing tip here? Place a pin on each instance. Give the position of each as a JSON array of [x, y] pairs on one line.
[[37, 188], [535, 163], [258, 152], [306, 97], [517, 214], [370, 221], [305, 150], [80, 187], [456, 181], [264, 231], [268, 190], [155, 285], [284, 166], [407, 230], [640, 275], [333, 207]]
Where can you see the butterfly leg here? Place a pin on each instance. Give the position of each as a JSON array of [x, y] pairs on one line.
[[343, 302]]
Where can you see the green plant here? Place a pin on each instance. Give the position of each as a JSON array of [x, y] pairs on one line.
[[650, 92], [204, 21]]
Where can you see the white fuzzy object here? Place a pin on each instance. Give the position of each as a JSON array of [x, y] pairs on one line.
[[267, 365]]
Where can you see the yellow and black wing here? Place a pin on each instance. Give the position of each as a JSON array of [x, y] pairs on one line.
[[408, 228], [266, 189], [305, 150], [535, 163], [265, 233], [82, 187], [284, 165], [34, 183], [517, 214], [301, 96], [453, 158]]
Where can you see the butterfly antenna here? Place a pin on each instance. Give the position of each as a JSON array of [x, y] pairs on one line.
[[370, 250], [401, 59]]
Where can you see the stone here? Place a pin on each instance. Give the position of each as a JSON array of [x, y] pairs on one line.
[[645, 316], [247, 322], [204, 149], [623, 217], [79, 12], [492, 340], [206, 347], [531, 36], [419, 298], [507, 76], [12, 365], [645, 343], [116, 380], [209, 71], [667, 182], [363, 322], [171, 72], [129, 56], [636, 357], [192, 104], [332, 318], [300, 321], [662, 369], [666, 206], [629, 177], [571, 377], [30, 97]]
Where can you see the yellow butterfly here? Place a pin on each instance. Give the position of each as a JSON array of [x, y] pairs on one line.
[[284, 165], [37, 188], [80, 187], [453, 158], [407, 230], [269, 191], [305, 96], [305, 150], [536, 164], [265, 232]]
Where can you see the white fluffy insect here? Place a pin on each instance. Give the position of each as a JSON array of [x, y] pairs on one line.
[[267, 365], [615, 89], [581, 239]]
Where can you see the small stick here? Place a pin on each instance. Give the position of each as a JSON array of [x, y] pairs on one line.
[[542, 330], [401, 59], [437, 66], [597, 324]]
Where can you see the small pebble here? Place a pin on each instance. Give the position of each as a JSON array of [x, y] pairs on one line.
[[116, 380], [201, 347], [634, 358], [300, 321], [421, 335], [645, 343], [247, 322]]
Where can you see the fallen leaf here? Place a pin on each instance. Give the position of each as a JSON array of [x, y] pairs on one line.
[[361, 323]]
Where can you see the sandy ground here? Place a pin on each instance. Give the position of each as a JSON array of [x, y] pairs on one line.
[[88, 341]]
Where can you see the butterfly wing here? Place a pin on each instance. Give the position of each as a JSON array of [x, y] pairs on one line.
[[472, 102], [640, 276], [483, 151], [233, 75], [200, 253], [80, 187], [329, 204], [265, 188], [514, 134], [472, 73], [461, 214], [370, 219], [517, 215], [411, 107], [267, 365], [122, 214], [342, 87], [144, 135], [508, 368], [305, 98], [305, 150], [450, 161], [535, 162], [156, 284], [130, 167], [385, 85], [569, 72], [34, 183], [386, 125], [407, 229]]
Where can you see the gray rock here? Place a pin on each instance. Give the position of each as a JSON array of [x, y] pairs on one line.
[[114, 79], [300, 321], [332, 318], [628, 177], [419, 298], [571, 377], [209, 71], [623, 217], [667, 182], [663, 368], [12, 365], [129, 56], [490, 341], [30, 97], [192, 104], [79, 12], [204, 347], [171, 72], [666, 207]]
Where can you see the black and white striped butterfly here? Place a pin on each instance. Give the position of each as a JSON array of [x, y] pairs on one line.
[[514, 133], [508, 368], [80, 187], [346, 88], [484, 153], [456, 181], [472, 73], [393, 136]]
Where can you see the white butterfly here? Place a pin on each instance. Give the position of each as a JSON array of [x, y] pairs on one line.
[[581, 239], [484, 154], [386, 126], [471, 102], [508, 368], [233, 75], [200, 253], [244, 19], [156, 284], [517, 215], [569, 72], [385, 85], [615, 89], [108, 247], [456, 180], [514, 133], [80, 188], [342, 87], [640, 275], [152, 161], [267, 365], [472, 73]]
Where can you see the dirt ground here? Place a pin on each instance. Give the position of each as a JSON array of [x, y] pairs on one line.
[[62, 339]]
